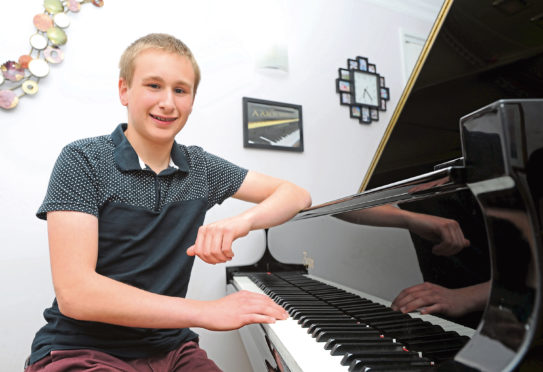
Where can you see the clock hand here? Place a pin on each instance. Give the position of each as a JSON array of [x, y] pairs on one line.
[[366, 92]]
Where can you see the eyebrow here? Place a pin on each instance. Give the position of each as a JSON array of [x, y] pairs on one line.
[[179, 82]]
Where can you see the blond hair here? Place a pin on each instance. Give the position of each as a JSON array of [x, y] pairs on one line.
[[164, 42]]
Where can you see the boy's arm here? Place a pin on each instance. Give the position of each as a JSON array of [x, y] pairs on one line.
[[444, 232], [84, 294], [278, 201]]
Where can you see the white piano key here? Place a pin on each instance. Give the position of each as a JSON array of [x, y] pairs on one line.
[[299, 350]]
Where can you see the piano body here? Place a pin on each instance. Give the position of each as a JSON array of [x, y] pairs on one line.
[[465, 143]]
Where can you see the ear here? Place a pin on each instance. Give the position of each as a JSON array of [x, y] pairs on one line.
[[123, 92]]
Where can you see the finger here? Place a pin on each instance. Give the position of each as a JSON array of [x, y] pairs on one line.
[[215, 247], [191, 251], [416, 304], [227, 240], [432, 309], [199, 242]]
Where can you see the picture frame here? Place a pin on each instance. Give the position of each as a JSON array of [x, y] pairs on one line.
[[345, 98], [374, 114], [372, 68], [356, 112], [344, 74], [272, 125], [343, 85], [365, 115], [352, 63], [383, 105], [362, 63], [385, 93]]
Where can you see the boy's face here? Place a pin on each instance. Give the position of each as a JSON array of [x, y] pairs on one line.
[[159, 100]]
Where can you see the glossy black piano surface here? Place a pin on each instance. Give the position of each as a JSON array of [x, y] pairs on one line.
[[465, 145]]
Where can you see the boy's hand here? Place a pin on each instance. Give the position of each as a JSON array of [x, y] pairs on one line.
[[214, 241], [431, 298], [446, 233], [239, 309]]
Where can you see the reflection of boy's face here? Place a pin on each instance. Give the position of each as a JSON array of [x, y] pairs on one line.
[[159, 100]]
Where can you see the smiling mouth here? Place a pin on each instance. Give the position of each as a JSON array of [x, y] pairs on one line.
[[162, 118]]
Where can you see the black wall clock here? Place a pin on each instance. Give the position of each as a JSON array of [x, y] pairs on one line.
[[362, 89]]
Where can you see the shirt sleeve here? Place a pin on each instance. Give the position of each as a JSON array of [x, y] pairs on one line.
[[72, 186], [224, 178]]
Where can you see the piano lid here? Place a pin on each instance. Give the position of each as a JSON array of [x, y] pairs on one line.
[[478, 52]]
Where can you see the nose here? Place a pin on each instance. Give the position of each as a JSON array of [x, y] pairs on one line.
[[166, 101]]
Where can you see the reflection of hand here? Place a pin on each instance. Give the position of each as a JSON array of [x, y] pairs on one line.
[[239, 309], [431, 298], [214, 241], [445, 232]]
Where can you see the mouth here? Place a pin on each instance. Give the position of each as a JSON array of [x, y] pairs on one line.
[[163, 119]]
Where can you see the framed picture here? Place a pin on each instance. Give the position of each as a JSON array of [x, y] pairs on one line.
[[272, 125], [343, 85], [356, 112], [385, 93], [362, 63], [383, 105], [374, 114], [365, 117], [353, 64], [372, 67], [344, 74], [345, 98]]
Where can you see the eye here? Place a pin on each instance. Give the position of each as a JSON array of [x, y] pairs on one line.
[[179, 90], [154, 86]]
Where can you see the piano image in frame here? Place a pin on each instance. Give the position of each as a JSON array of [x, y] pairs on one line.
[[272, 125], [465, 143]]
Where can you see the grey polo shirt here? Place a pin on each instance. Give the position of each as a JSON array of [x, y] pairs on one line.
[[146, 222]]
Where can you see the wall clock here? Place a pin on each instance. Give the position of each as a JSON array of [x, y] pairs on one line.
[[362, 89]]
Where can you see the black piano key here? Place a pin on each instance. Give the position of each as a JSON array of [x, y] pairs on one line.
[[441, 355], [352, 359], [315, 329], [412, 366], [437, 346], [367, 347], [333, 325], [376, 355], [406, 327], [329, 345], [396, 322], [305, 319], [431, 336], [324, 336], [399, 334], [301, 313], [386, 316], [376, 350]]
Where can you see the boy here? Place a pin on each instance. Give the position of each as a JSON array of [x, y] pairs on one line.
[[124, 215]]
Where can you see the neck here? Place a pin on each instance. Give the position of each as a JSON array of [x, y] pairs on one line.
[[155, 155]]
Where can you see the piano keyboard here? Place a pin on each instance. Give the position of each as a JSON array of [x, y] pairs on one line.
[[338, 329]]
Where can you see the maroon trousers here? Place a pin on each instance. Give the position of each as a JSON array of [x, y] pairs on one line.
[[188, 357]]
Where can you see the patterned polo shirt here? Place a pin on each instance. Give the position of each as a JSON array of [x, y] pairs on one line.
[[146, 222]]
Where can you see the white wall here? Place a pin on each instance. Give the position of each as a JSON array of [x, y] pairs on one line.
[[79, 99]]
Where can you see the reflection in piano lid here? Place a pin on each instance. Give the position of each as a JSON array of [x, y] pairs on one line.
[[453, 199]]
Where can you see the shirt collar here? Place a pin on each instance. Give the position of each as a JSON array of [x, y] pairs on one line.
[[127, 159]]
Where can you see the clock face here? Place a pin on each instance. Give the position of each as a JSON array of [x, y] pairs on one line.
[[366, 88]]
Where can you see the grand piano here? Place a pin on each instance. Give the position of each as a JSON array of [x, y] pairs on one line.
[[465, 144]]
